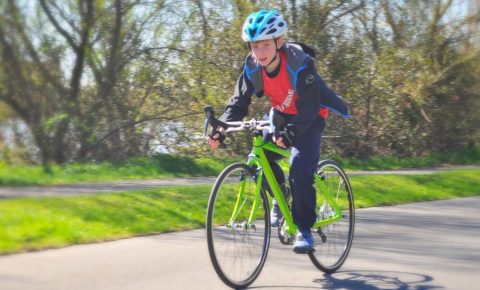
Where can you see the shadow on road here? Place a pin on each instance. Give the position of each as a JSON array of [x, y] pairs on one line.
[[368, 280], [373, 280]]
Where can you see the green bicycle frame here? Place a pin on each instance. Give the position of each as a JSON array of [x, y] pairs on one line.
[[258, 157]]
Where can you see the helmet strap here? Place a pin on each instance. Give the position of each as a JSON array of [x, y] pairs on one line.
[[276, 52]]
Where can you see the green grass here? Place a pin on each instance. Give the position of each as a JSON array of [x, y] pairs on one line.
[[464, 157], [382, 190], [40, 223], [157, 166]]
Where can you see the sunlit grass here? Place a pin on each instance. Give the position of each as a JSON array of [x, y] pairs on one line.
[[463, 157], [379, 190], [39, 223]]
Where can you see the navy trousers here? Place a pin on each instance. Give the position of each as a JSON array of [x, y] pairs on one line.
[[303, 163]]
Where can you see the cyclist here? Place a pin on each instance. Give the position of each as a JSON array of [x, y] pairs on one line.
[[285, 72]]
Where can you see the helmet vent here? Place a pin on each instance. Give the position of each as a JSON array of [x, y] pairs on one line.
[[260, 19], [271, 31]]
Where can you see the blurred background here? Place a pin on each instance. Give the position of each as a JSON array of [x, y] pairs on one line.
[[108, 80]]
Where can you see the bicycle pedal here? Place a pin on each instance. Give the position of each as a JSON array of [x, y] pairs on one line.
[[284, 237], [304, 252]]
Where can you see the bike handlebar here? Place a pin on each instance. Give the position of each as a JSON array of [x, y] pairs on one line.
[[232, 126]]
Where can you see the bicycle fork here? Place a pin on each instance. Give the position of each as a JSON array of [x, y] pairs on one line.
[[330, 201], [240, 203]]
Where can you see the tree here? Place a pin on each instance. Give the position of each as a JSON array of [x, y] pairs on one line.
[[96, 80], [83, 91]]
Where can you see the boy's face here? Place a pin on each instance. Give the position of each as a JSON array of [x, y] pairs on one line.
[[264, 50]]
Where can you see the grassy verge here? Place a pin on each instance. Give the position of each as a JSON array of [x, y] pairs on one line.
[[39, 223], [157, 166], [464, 157]]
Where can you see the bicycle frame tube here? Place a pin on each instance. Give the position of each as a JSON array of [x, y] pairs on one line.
[[260, 159]]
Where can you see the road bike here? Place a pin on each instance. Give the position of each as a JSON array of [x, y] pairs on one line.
[[238, 215]]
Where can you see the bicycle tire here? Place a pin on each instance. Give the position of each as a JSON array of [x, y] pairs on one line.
[[237, 253], [333, 243]]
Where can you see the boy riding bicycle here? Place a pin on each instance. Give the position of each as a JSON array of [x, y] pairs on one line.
[[286, 73]]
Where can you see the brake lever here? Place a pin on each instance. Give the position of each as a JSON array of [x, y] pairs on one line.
[[210, 115], [276, 122], [205, 131], [210, 119]]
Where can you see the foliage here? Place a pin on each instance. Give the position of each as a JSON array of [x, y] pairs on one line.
[[108, 80]]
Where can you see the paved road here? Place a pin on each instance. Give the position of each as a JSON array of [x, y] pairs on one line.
[[429, 245], [100, 187], [116, 186]]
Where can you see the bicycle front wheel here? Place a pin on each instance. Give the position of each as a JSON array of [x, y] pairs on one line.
[[335, 207], [238, 226]]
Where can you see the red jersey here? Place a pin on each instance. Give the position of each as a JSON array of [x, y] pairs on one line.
[[282, 94]]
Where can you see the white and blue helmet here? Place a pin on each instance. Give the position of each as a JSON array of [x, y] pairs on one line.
[[263, 24]]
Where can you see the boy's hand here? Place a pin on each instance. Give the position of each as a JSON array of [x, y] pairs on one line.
[[216, 138], [213, 141], [285, 138], [283, 141], [279, 142]]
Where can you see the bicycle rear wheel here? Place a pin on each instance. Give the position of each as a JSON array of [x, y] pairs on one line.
[[238, 249], [333, 242]]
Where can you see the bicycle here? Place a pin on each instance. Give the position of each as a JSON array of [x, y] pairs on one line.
[[238, 219]]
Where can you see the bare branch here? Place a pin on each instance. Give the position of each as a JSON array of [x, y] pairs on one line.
[[349, 11], [181, 50], [31, 50], [397, 35], [87, 25], [57, 26], [133, 123], [65, 17]]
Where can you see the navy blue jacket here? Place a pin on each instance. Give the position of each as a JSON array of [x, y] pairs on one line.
[[311, 94]]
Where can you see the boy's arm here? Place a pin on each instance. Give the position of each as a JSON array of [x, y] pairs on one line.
[[310, 88], [313, 93], [237, 108]]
